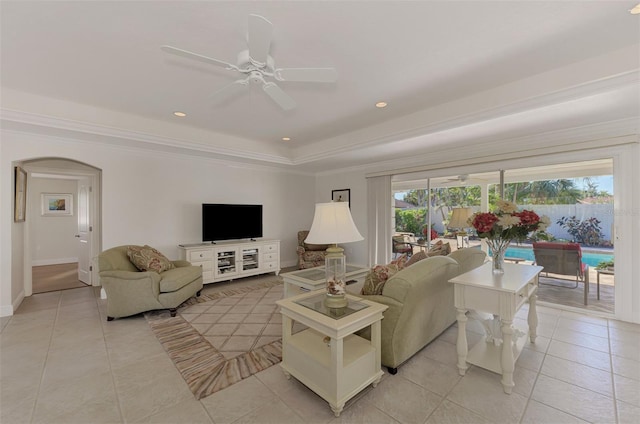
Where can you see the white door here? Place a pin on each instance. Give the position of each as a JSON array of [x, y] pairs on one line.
[[84, 231]]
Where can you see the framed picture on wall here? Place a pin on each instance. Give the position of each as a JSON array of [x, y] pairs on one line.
[[342, 195], [57, 204], [20, 190]]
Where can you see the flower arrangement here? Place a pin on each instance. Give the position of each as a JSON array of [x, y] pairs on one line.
[[504, 225], [507, 223]]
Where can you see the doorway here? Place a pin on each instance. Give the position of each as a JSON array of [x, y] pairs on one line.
[[63, 232]]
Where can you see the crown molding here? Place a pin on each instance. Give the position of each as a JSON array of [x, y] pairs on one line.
[[80, 130], [580, 91]]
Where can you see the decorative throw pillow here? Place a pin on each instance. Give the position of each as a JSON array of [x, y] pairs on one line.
[[146, 258], [416, 257], [377, 277], [401, 261], [439, 249]]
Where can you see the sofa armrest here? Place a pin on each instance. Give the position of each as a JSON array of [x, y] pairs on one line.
[[180, 263], [300, 250]]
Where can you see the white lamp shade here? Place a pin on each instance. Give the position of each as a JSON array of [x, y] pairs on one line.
[[459, 218], [332, 224]]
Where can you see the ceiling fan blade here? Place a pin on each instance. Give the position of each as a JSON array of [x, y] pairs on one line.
[[260, 34], [230, 90], [280, 97], [306, 74], [198, 57]]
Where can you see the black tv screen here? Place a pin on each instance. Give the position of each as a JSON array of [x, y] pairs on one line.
[[230, 222]]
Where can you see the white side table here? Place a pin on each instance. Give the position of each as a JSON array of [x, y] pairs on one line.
[[314, 278], [501, 295], [328, 357]]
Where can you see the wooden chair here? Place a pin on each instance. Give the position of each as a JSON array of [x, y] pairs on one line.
[[563, 259]]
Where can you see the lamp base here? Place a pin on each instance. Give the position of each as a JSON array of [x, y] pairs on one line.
[[335, 302]]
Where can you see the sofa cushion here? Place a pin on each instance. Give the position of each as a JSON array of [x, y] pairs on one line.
[[378, 276], [439, 249], [176, 278], [416, 257], [146, 258]]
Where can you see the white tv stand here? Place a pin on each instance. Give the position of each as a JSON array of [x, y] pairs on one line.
[[231, 259]]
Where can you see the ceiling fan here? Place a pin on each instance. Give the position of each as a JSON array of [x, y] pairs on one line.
[[257, 66]]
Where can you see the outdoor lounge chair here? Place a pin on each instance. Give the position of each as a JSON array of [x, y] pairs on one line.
[[563, 259], [401, 245]]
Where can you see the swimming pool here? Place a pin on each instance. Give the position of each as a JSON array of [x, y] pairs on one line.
[[588, 257]]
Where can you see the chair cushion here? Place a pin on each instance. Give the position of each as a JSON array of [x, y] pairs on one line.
[[315, 247], [176, 278], [146, 258]]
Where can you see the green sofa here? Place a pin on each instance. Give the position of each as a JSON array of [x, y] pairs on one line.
[[131, 291], [420, 301]]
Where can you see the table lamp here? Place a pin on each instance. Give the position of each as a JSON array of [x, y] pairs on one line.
[[459, 217], [333, 224]]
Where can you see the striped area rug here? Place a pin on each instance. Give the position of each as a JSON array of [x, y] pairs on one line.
[[204, 368]]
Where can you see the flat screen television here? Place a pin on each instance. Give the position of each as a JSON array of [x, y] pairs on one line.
[[231, 222]]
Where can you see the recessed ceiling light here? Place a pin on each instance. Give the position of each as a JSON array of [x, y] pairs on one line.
[[286, 139], [180, 114], [380, 105], [635, 10]]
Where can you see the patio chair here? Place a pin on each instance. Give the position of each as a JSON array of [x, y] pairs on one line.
[[563, 259], [401, 245]]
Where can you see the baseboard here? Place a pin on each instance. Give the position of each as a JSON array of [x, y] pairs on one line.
[[43, 262], [7, 310]]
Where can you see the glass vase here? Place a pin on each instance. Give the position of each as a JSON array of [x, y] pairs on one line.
[[498, 248]]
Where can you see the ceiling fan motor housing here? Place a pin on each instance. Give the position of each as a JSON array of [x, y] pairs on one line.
[[245, 63]]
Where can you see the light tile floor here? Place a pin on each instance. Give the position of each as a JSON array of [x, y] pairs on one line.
[[62, 362]]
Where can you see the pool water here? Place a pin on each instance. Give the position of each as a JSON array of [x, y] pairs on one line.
[[590, 258]]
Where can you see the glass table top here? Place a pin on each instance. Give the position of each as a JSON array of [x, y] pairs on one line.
[[316, 303], [317, 274]]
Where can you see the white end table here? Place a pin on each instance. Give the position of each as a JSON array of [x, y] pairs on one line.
[[328, 357], [315, 278], [501, 295]]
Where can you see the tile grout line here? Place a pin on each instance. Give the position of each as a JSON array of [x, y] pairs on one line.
[[44, 364], [103, 323], [613, 384], [545, 353]]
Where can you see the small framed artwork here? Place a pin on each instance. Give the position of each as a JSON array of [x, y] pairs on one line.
[[20, 190], [342, 195], [57, 204]]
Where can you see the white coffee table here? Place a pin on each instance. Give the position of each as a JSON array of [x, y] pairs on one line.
[[328, 357], [314, 278]]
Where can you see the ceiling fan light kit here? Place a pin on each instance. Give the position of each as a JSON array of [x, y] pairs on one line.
[[255, 64]]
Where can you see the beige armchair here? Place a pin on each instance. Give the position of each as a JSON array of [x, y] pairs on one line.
[[131, 291], [310, 255]]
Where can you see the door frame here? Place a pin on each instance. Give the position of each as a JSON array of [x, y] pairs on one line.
[[95, 180]]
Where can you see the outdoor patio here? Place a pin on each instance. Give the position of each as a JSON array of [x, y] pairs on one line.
[[559, 289]]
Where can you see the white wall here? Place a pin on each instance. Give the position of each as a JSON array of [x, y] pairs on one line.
[[155, 198], [52, 237], [355, 181]]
